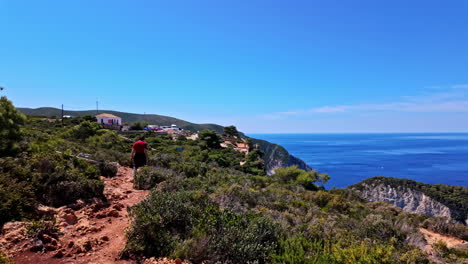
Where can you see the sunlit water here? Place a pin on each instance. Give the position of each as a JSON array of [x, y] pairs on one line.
[[350, 158]]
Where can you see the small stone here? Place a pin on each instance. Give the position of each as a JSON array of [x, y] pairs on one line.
[[46, 238], [50, 247], [38, 246], [87, 246], [54, 242], [70, 218], [100, 215], [59, 254], [105, 238], [118, 206], [113, 213], [178, 261]]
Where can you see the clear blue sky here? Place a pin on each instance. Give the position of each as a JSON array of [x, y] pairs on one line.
[[263, 65]]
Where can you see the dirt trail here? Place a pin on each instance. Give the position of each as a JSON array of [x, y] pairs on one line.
[[432, 238], [89, 233]]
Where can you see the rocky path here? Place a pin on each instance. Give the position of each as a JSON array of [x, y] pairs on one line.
[[432, 238], [87, 233]]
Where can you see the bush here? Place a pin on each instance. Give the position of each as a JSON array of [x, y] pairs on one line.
[[11, 122], [147, 177], [300, 250], [84, 130], [190, 225], [17, 199], [236, 238], [138, 125], [209, 139], [294, 175], [60, 179], [415, 256], [108, 169], [67, 192], [4, 259], [443, 226]]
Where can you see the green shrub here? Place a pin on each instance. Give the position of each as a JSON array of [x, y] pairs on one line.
[[190, 225], [84, 130], [60, 179], [298, 250], [164, 160], [138, 125], [67, 192], [443, 226], [4, 259], [38, 229], [164, 220], [415, 256], [17, 199], [108, 139], [209, 139], [236, 238], [108, 169], [147, 177], [294, 175], [11, 123]]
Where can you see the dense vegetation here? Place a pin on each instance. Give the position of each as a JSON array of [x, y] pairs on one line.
[[274, 154], [209, 204], [454, 197], [39, 163]]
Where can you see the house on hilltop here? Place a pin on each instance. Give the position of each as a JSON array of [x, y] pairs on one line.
[[108, 119]]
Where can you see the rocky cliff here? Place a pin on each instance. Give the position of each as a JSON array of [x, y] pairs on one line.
[[410, 198], [276, 156]]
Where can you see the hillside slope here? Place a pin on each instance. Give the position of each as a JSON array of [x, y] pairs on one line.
[[275, 156], [433, 200]]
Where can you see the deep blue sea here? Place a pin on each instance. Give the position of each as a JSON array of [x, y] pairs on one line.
[[350, 158]]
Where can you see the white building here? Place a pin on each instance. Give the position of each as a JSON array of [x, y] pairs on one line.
[[171, 127], [108, 119]]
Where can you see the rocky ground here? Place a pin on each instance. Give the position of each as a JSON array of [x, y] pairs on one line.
[[85, 232], [94, 231], [432, 238]]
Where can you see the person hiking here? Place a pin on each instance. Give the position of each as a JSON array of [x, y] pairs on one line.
[[139, 155]]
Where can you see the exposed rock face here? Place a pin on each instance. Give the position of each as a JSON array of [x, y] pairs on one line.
[[408, 199], [272, 164]]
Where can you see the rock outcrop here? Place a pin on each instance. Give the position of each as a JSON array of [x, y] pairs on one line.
[[276, 156], [411, 197], [405, 198]]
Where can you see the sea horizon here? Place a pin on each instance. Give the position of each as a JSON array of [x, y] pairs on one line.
[[428, 157]]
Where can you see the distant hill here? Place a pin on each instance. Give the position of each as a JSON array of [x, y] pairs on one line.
[[126, 118], [275, 155]]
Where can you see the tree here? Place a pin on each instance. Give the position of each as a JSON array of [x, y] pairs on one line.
[[231, 131], [85, 130], [139, 125], [209, 139], [295, 175], [89, 118], [11, 122]]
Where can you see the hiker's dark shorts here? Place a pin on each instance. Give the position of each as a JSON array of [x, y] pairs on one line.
[[139, 160]]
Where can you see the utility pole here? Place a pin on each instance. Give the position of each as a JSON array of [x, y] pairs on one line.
[[62, 114], [97, 107]]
